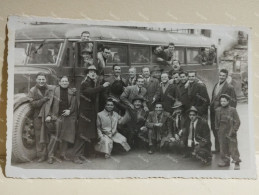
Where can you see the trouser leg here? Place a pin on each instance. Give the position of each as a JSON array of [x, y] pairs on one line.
[[79, 148], [214, 131], [224, 147], [63, 148], [233, 148]]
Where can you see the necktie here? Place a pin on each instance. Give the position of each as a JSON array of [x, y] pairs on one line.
[[139, 91], [192, 131]]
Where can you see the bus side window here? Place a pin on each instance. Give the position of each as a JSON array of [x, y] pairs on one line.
[[139, 55], [179, 54], [118, 55], [193, 56]]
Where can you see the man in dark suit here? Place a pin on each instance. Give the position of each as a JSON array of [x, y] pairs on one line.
[[196, 137], [166, 93], [89, 106], [198, 95], [183, 91], [131, 92], [159, 127], [222, 87], [151, 84]]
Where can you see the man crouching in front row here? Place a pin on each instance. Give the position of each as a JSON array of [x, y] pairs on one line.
[[159, 127], [107, 122], [196, 137]]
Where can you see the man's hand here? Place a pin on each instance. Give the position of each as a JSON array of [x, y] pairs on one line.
[[146, 109], [177, 137], [160, 59], [131, 106], [46, 98], [66, 113], [158, 124], [143, 128], [106, 84], [48, 119]]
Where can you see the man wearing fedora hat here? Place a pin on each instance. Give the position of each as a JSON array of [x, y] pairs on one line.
[[88, 109], [178, 124], [134, 124], [196, 137], [227, 123]]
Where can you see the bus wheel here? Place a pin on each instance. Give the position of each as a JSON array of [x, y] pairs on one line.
[[23, 138]]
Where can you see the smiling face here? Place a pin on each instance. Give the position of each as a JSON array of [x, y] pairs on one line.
[[183, 78], [176, 65], [158, 108], [176, 78], [132, 73], [146, 72], [41, 80], [117, 71], [64, 83], [92, 74], [191, 77], [85, 37], [164, 78], [137, 104], [171, 48], [222, 77], [224, 101], [140, 82], [109, 106]]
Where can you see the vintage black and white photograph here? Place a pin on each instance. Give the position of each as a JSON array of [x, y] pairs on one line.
[[103, 99]]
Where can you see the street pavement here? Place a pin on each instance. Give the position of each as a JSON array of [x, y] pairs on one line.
[[141, 160]]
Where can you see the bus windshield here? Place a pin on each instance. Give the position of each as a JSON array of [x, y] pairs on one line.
[[44, 53]]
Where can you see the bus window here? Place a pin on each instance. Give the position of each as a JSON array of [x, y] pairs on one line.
[[44, 53], [85, 54], [139, 55], [21, 50], [179, 54], [118, 55], [193, 56]]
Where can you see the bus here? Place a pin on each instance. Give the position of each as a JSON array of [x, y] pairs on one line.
[[62, 49]]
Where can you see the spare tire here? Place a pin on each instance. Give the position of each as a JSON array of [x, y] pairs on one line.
[[23, 138]]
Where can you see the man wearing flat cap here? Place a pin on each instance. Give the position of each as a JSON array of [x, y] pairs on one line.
[[196, 137]]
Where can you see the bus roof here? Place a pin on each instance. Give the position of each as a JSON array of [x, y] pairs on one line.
[[110, 33]]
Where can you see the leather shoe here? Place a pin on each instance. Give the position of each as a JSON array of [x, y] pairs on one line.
[[224, 164], [41, 159], [237, 167], [50, 160]]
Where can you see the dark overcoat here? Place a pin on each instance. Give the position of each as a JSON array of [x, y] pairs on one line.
[[201, 134], [215, 103], [65, 126], [199, 98], [168, 97], [89, 107]]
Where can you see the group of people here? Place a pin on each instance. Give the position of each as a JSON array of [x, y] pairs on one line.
[[138, 112]]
